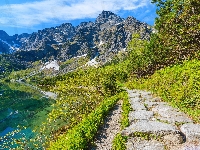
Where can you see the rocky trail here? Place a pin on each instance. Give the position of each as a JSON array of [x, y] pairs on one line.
[[110, 127], [154, 125]]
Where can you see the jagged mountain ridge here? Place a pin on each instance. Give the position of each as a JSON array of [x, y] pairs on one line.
[[104, 37], [9, 44]]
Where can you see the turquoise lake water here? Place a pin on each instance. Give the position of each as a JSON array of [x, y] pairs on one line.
[[21, 106]]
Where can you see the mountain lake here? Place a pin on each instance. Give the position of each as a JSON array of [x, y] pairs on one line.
[[22, 107]]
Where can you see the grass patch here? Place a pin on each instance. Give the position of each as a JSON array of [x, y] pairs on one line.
[[178, 84], [147, 136], [119, 142], [80, 135], [126, 108]]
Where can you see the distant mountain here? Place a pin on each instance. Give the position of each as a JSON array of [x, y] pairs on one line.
[[10, 44], [101, 39]]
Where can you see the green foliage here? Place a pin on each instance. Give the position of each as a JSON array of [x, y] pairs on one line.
[[178, 30], [119, 142], [126, 108], [146, 136], [80, 93], [85, 94], [109, 84], [79, 136], [176, 38], [179, 85], [138, 54], [73, 63], [29, 74], [9, 63], [66, 63]]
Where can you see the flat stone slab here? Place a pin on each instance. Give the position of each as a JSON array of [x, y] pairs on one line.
[[146, 97], [171, 113], [191, 131], [173, 139], [138, 106], [163, 108], [144, 93], [131, 91], [140, 115], [138, 93], [175, 119], [135, 99], [156, 99], [151, 104], [167, 111], [133, 94], [138, 144], [185, 146], [150, 127]]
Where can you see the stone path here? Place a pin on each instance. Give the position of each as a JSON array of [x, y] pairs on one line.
[[109, 129], [154, 125]]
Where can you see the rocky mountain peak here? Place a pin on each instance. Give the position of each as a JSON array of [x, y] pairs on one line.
[[3, 35], [101, 39], [108, 17], [131, 19]]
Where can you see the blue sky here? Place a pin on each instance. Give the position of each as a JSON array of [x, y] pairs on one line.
[[27, 16]]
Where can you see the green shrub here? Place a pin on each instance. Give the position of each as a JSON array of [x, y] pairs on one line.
[[126, 108], [119, 142], [79, 136], [177, 84], [110, 84]]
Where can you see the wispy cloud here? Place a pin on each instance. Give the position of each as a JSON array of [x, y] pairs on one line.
[[34, 13]]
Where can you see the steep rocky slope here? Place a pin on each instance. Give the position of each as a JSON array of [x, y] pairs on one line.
[[101, 40], [105, 37], [10, 44]]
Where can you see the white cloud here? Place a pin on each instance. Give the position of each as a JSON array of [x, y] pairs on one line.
[[45, 11]]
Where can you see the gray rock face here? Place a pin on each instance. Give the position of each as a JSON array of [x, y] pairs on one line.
[[175, 119], [140, 144], [192, 131], [3, 35], [10, 44], [102, 39], [154, 125], [135, 99], [138, 106], [169, 114], [150, 104], [140, 115], [186, 146], [150, 127], [107, 18], [173, 139]]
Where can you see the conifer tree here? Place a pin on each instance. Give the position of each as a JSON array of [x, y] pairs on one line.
[[178, 26]]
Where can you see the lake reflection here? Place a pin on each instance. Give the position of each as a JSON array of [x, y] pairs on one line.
[[22, 105]]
